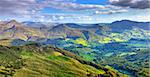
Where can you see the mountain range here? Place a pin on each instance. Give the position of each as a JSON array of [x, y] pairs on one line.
[[112, 32], [117, 45]]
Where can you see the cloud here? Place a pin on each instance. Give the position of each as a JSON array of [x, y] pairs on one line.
[[146, 18], [138, 4], [15, 7], [24, 7], [66, 18], [71, 6], [90, 8], [111, 11], [32, 9]]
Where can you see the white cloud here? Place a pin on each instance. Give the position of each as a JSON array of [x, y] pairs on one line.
[[111, 11], [31, 9], [145, 18], [71, 6]]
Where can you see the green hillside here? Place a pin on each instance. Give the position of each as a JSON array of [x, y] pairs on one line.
[[34, 60]]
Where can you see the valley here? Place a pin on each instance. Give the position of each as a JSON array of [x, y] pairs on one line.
[[123, 50]]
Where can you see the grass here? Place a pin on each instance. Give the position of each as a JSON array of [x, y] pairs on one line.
[[105, 40], [119, 40], [5, 42], [81, 41], [34, 60], [88, 57], [113, 34], [63, 58]]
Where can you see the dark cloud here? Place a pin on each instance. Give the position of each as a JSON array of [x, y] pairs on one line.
[[17, 7], [139, 4]]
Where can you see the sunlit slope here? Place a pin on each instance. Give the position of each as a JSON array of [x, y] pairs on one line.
[[36, 61]]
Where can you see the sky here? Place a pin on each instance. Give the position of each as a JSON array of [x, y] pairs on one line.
[[75, 11]]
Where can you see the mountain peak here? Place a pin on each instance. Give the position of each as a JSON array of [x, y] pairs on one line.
[[13, 20], [13, 23]]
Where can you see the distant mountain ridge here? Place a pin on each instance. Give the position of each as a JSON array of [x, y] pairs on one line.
[[127, 24], [34, 24], [88, 32], [16, 30]]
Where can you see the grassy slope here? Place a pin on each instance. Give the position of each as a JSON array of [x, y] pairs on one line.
[[36, 61]]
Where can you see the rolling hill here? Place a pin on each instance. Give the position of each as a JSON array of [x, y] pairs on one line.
[[34, 60]]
